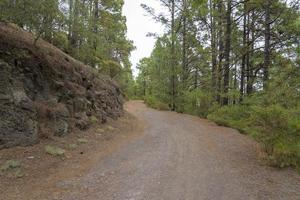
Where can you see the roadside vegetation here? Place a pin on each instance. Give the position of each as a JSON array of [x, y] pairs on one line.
[[235, 63]]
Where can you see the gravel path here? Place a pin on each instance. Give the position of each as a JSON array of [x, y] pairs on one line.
[[181, 157]]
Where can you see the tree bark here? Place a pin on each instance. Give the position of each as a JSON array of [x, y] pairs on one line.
[[250, 43], [184, 46], [227, 53], [173, 62], [74, 32], [267, 52], [245, 51], [213, 48], [221, 51], [96, 18]]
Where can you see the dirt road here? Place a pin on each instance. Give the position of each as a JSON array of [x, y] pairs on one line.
[[180, 157]]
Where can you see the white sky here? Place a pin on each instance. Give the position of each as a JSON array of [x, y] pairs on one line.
[[139, 24]]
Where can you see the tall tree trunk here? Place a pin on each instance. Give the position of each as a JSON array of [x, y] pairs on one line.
[[227, 53], [94, 38], [74, 39], [235, 85], [144, 86], [245, 52], [213, 47], [96, 18], [70, 24], [196, 79], [221, 50], [184, 46], [173, 62], [250, 44], [267, 52]]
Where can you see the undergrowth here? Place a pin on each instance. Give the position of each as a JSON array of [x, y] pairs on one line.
[[155, 103], [275, 127]]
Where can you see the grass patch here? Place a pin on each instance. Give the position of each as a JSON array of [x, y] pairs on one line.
[[276, 128], [232, 116], [54, 151], [9, 165]]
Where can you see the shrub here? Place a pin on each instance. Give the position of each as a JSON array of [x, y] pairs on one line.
[[276, 128], [232, 116], [269, 123], [197, 102], [155, 103]]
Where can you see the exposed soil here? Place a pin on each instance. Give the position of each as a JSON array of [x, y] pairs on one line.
[[41, 171], [171, 157]]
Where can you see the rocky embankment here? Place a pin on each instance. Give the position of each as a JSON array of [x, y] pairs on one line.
[[45, 92]]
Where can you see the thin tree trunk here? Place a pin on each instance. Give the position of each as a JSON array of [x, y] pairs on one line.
[[184, 47], [227, 53], [267, 52], [74, 30], [221, 51], [173, 62], [235, 85], [196, 79], [70, 20], [249, 64], [245, 49], [213, 47], [96, 18]]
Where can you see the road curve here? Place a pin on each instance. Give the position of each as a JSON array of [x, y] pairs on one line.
[[181, 157]]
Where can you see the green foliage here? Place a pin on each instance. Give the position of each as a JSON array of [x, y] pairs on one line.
[[93, 32], [184, 71], [275, 127], [39, 17], [197, 102], [155, 103], [271, 116], [60, 40], [278, 130], [232, 116], [229, 81]]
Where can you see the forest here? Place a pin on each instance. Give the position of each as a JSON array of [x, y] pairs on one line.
[[235, 62], [92, 31]]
